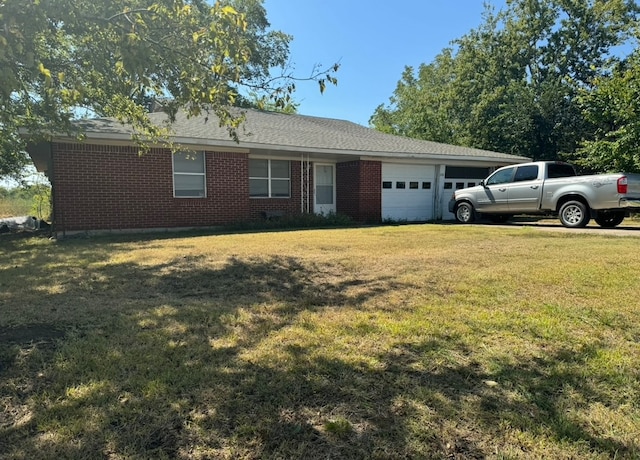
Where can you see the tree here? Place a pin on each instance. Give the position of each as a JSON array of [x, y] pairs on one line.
[[61, 58], [613, 108], [512, 84], [421, 107]]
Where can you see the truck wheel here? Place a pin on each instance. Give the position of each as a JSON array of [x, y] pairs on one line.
[[574, 214], [610, 219], [465, 212]]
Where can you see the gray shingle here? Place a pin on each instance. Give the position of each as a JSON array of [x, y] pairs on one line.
[[270, 130]]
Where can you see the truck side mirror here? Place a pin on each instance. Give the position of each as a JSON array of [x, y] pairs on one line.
[[482, 183]]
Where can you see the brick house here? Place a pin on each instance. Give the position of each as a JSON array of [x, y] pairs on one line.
[[283, 164]]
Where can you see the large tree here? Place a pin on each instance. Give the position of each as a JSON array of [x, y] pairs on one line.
[[60, 59], [613, 108], [512, 84]]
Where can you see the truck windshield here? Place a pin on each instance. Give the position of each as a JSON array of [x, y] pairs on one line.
[[560, 170]]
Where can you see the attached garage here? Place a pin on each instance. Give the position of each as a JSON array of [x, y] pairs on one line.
[[408, 192]]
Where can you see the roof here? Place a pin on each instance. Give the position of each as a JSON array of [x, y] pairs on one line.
[[296, 133]]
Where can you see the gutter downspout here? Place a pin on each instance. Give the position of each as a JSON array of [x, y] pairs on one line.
[[439, 192], [308, 185]]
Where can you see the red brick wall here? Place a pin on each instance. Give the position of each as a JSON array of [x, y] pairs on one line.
[[100, 187], [359, 190]]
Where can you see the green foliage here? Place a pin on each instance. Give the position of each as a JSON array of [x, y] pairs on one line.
[[41, 202], [340, 427], [331, 220], [614, 109], [13, 204], [261, 102], [512, 84], [112, 58], [419, 110], [32, 200]]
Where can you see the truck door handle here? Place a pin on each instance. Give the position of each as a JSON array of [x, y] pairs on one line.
[[502, 189], [535, 187]]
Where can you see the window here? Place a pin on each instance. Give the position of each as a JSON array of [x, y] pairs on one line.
[[189, 175], [459, 185], [501, 177], [387, 184], [269, 179], [555, 170], [448, 185], [524, 173], [401, 185], [426, 185], [464, 172], [413, 185]]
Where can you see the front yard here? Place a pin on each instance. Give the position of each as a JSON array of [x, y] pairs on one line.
[[417, 341]]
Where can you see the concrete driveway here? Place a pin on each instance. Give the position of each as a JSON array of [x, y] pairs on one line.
[[627, 228]]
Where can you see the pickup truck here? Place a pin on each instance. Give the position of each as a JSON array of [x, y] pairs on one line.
[[549, 188]]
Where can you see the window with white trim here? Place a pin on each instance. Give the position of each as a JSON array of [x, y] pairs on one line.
[[269, 178], [189, 177]]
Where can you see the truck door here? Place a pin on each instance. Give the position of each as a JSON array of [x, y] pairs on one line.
[[494, 197], [525, 190]]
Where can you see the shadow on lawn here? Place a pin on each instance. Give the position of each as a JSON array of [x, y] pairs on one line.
[[163, 366]]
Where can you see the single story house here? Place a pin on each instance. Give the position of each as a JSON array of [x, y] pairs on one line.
[[282, 164]]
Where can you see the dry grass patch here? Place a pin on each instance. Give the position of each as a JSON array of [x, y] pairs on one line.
[[388, 342]]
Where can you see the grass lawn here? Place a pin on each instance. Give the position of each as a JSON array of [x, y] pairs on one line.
[[416, 341]]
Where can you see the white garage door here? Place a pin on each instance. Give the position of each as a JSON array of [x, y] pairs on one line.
[[407, 192], [450, 186]]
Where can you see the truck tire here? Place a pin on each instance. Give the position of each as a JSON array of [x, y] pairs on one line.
[[574, 214], [465, 213], [609, 219]]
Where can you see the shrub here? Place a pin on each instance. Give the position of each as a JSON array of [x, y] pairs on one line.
[[296, 221]]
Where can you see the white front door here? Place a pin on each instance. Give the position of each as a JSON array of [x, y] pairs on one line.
[[324, 189]]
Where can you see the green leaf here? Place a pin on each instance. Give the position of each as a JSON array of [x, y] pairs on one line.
[[44, 71], [228, 11]]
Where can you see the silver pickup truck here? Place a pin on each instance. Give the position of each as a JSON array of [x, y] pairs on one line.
[[552, 188]]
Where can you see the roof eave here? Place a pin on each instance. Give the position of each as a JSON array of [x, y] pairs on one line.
[[243, 146]]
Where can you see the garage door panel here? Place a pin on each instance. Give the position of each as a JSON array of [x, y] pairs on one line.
[[407, 192], [450, 186]]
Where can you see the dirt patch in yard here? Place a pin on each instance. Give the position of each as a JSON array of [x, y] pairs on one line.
[[30, 334]]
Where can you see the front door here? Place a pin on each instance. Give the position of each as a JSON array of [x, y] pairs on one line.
[[494, 194], [324, 189]]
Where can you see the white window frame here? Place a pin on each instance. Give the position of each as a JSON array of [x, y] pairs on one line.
[[270, 179], [202, 174]]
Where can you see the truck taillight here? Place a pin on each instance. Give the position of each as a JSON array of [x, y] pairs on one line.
[[622, 184]]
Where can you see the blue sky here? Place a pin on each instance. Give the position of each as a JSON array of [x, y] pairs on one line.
[[373, 40]]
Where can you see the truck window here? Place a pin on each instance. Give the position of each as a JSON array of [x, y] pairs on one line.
[[529, 172], [555, 170], [501, 177]]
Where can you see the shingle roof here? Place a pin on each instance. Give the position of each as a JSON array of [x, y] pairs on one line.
[[278, 131]]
